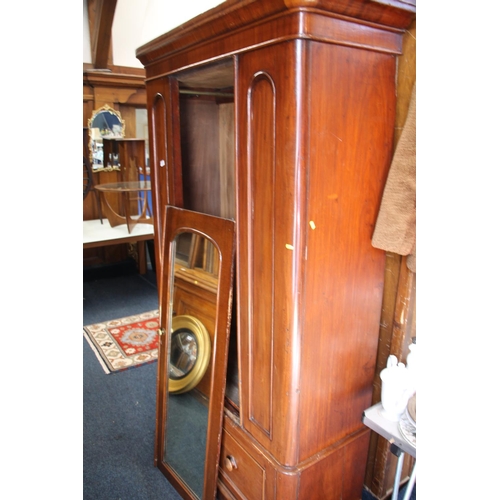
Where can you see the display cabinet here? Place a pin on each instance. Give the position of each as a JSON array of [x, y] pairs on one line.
[[279, 115], [127, 156]]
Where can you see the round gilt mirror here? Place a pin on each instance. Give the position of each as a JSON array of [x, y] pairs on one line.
[[190, 351], [105, 123]]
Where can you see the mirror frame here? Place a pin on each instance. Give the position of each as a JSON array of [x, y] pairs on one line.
[[95, 113], [221, 233]]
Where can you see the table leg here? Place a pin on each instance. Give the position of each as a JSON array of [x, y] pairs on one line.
[[128, 216], [141, 257], [411, 482], [397, 477], [131, 220], [114, 219]]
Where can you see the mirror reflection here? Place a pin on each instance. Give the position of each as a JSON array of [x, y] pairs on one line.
[[183, 353], [105, 123], [192, 333]]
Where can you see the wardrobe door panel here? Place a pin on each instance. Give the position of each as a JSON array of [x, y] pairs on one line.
[[267, 201], [262, 105], [163, 124], [157, 94]]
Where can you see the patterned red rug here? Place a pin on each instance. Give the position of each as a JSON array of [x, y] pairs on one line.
[[125, 343]]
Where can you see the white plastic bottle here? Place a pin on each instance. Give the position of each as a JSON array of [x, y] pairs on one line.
[[410, 359], [411, 363]]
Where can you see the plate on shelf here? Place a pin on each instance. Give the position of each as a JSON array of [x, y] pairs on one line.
[[408, 430], [411, 410]]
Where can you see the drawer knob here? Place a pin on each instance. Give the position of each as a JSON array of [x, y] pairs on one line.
[[230, 463]]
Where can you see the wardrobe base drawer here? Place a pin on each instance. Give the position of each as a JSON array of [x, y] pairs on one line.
[[239, 472]]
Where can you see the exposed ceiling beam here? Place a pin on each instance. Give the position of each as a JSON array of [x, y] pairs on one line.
[[101, 14]]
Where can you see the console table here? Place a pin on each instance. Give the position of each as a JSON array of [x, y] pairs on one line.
[[99, 234], [374, 419]]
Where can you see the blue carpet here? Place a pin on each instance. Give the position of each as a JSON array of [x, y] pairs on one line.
[[119, 409]]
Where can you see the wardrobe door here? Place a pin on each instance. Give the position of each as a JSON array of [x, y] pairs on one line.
[[163, 124], [269, 254]]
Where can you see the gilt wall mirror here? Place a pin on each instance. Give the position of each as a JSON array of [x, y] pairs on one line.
[[105, 123], [193, 347]]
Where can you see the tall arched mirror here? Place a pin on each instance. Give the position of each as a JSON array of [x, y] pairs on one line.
[[195, 318], [105, 123]]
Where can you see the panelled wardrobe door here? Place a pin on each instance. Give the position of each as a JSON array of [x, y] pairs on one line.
[[163, 126], [269, 253]]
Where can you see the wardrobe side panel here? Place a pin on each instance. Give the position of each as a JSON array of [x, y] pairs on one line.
[[352, 107]]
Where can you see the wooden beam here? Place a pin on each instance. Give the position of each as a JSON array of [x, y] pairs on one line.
[[101, 14]]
